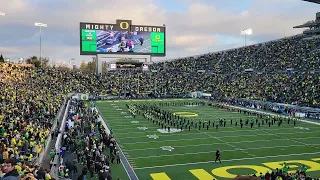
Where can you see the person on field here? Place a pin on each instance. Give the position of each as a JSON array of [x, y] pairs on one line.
[[218, 156]]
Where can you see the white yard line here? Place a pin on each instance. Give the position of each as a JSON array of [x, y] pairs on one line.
[[228, 160], [129, 124], [292, 140], [146, 142], [238, 142], [254, 135], [229, 150], [125, 122], [186, 134], [229, 144], [123, 129]]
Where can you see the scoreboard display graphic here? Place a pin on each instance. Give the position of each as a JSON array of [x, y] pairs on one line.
[[122, 38]]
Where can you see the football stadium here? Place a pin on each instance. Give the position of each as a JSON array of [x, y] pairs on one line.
[[250, 112]]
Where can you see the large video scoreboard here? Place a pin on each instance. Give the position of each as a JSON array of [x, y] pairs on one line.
[[122, 38]]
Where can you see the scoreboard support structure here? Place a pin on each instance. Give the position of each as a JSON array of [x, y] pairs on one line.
[[114, 57]]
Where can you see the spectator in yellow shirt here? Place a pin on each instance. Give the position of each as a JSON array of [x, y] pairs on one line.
[[5, 154]]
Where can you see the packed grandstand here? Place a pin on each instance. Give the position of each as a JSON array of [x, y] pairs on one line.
[[46, 134], [31, 97]]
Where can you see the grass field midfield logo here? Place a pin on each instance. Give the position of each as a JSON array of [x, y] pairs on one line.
[[225, 171], [154, 136], [119, 109], [112, 104], [135, 122], [128, 117], [142, 128], [115, 106], [167, 148], [123, 113]]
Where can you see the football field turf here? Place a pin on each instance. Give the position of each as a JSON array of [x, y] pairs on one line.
[[190, 155]]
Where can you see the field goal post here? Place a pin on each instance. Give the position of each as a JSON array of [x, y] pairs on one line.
[[109, 58]]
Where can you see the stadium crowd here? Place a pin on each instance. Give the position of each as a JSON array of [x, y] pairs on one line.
[[286, 71], [86, 145]]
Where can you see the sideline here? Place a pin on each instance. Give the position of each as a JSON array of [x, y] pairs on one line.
[[229, 160], [125, 163], [272, 114]]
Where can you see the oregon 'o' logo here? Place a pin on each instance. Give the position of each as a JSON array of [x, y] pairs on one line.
[[124, 25], [157, 37], [186, 114], [84, 97]]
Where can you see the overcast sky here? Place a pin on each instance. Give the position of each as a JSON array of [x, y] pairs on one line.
[[193, 26]]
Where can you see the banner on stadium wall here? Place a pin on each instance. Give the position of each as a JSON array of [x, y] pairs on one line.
[[196, 94]]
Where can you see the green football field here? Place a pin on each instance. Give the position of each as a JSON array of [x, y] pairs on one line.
[[190, 155]]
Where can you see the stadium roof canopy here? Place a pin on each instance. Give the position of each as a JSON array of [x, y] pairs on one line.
[[313, 1]]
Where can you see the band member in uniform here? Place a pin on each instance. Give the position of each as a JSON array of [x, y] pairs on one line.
[[218, 156]]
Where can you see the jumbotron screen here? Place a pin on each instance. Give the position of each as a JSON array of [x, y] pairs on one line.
[[122, 38]]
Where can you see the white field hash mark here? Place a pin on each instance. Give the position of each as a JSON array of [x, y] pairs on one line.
[[154, 136], [302, 128], [165, 148]]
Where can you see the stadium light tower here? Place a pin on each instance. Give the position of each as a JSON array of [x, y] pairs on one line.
[[246, 33], [40, 25], [2, 14]]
